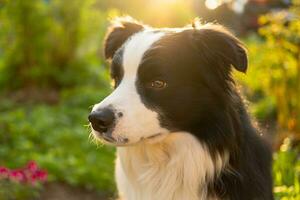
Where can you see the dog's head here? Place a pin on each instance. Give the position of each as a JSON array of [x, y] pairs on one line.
[[166, 80]]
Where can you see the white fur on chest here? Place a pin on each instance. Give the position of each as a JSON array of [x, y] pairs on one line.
[[176, 168]]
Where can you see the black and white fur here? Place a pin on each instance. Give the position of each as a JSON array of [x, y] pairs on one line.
[[190, 138]]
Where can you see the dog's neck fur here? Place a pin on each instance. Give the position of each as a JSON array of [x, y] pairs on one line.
[[166, 170]]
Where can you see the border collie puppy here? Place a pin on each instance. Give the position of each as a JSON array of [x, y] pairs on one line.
[[180, 126]]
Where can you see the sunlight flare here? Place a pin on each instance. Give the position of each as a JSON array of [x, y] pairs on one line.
[[212, 4]]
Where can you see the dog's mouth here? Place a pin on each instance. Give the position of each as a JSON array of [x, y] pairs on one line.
[[107, 138], [152, 136], [123, 141]]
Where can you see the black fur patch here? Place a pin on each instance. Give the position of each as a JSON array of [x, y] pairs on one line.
[[201, 98]]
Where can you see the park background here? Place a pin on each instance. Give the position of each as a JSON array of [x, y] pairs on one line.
[[52, 71]]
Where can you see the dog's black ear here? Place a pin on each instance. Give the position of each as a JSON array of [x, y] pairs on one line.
[[120, 30], [220, 42]]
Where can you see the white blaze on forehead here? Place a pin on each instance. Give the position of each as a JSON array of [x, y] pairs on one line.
[[138, 121], [135, 49]]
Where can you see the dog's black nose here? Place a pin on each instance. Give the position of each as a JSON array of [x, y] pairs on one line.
[[102, 119]]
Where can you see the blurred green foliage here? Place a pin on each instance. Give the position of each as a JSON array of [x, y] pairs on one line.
[[17, 191], [286, 172], [55, 136], [48, 43], [53, 44], [274, 72]]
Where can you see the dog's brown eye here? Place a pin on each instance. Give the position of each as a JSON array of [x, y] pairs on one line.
[[158, 84]]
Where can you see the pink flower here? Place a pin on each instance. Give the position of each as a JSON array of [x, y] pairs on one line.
[[4, 172], [32, 166], [41, 175], [17, 175], [28, 174]]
